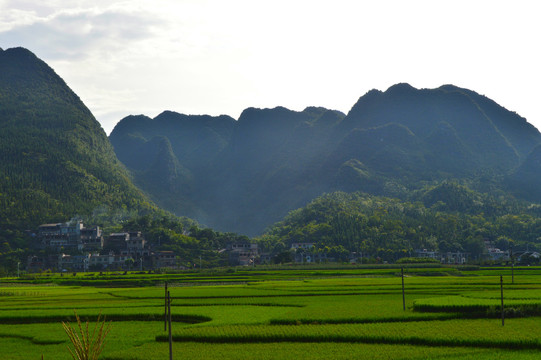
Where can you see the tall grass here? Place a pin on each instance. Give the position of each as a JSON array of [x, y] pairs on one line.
[[87, 345]]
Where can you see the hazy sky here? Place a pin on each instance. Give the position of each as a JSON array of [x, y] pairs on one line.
[[220, 57]]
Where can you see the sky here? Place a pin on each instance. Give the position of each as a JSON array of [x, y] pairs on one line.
[[220, 57]]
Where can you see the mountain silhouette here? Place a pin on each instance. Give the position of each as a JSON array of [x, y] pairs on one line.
[[245, 175]]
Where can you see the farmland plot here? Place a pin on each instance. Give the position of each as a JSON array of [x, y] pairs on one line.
[[338, 316]]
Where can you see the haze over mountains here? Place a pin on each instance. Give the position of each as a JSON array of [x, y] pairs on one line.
[[245, 175]]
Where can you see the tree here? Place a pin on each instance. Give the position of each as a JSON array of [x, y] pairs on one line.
[[282, 257], [129, 263]]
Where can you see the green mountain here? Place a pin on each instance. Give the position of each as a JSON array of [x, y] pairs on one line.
[[451, 125], [170, 157], [245, 175], [232, 170], [56, 160], [406, 168], [447, 217], [524, 181]]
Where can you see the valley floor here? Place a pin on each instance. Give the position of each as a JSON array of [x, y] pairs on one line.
[[319, 315]]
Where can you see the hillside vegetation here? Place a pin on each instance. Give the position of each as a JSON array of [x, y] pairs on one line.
[[445, 218], [245, 175], [443, 169], [56, 160]]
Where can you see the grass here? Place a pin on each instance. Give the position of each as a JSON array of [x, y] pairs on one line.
[[336, 313], [87, 343], [319, 351], [480, 333]]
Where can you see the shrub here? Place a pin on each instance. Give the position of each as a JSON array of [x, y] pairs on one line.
[[416, 260]]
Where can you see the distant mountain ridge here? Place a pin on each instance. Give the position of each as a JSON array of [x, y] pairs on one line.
[[245, 175]]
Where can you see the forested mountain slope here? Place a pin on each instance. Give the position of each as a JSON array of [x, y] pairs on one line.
[[445, 218], [245, 175], [56, 160]]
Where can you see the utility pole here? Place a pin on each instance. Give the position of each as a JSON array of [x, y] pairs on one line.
[[512, 273], [403, 294], [165, 311], [512, 266], [18, 272], [170, 333], [501, 288]]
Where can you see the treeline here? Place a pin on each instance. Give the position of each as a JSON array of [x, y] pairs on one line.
[[391, 228], [192, 243]]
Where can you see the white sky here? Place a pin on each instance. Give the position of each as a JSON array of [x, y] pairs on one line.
[[220, 57]]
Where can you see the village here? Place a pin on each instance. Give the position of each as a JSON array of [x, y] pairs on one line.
[[72, 247]]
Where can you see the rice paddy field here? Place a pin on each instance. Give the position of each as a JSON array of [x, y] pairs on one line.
[[450, 313]]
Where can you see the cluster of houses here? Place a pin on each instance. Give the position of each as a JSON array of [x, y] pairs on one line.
[[243, 254], [130, 251], [301, 252], [118, 251], [454, 258], [492, 253]]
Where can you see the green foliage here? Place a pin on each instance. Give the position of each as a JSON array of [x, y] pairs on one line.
[[415, 260], [57, 162], [392, 229], [193, 244], [525, 179]]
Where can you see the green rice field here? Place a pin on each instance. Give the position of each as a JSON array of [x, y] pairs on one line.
[[356, 313]]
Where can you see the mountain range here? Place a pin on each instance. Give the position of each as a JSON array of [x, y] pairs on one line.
[[446, 169], [244, 175]]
